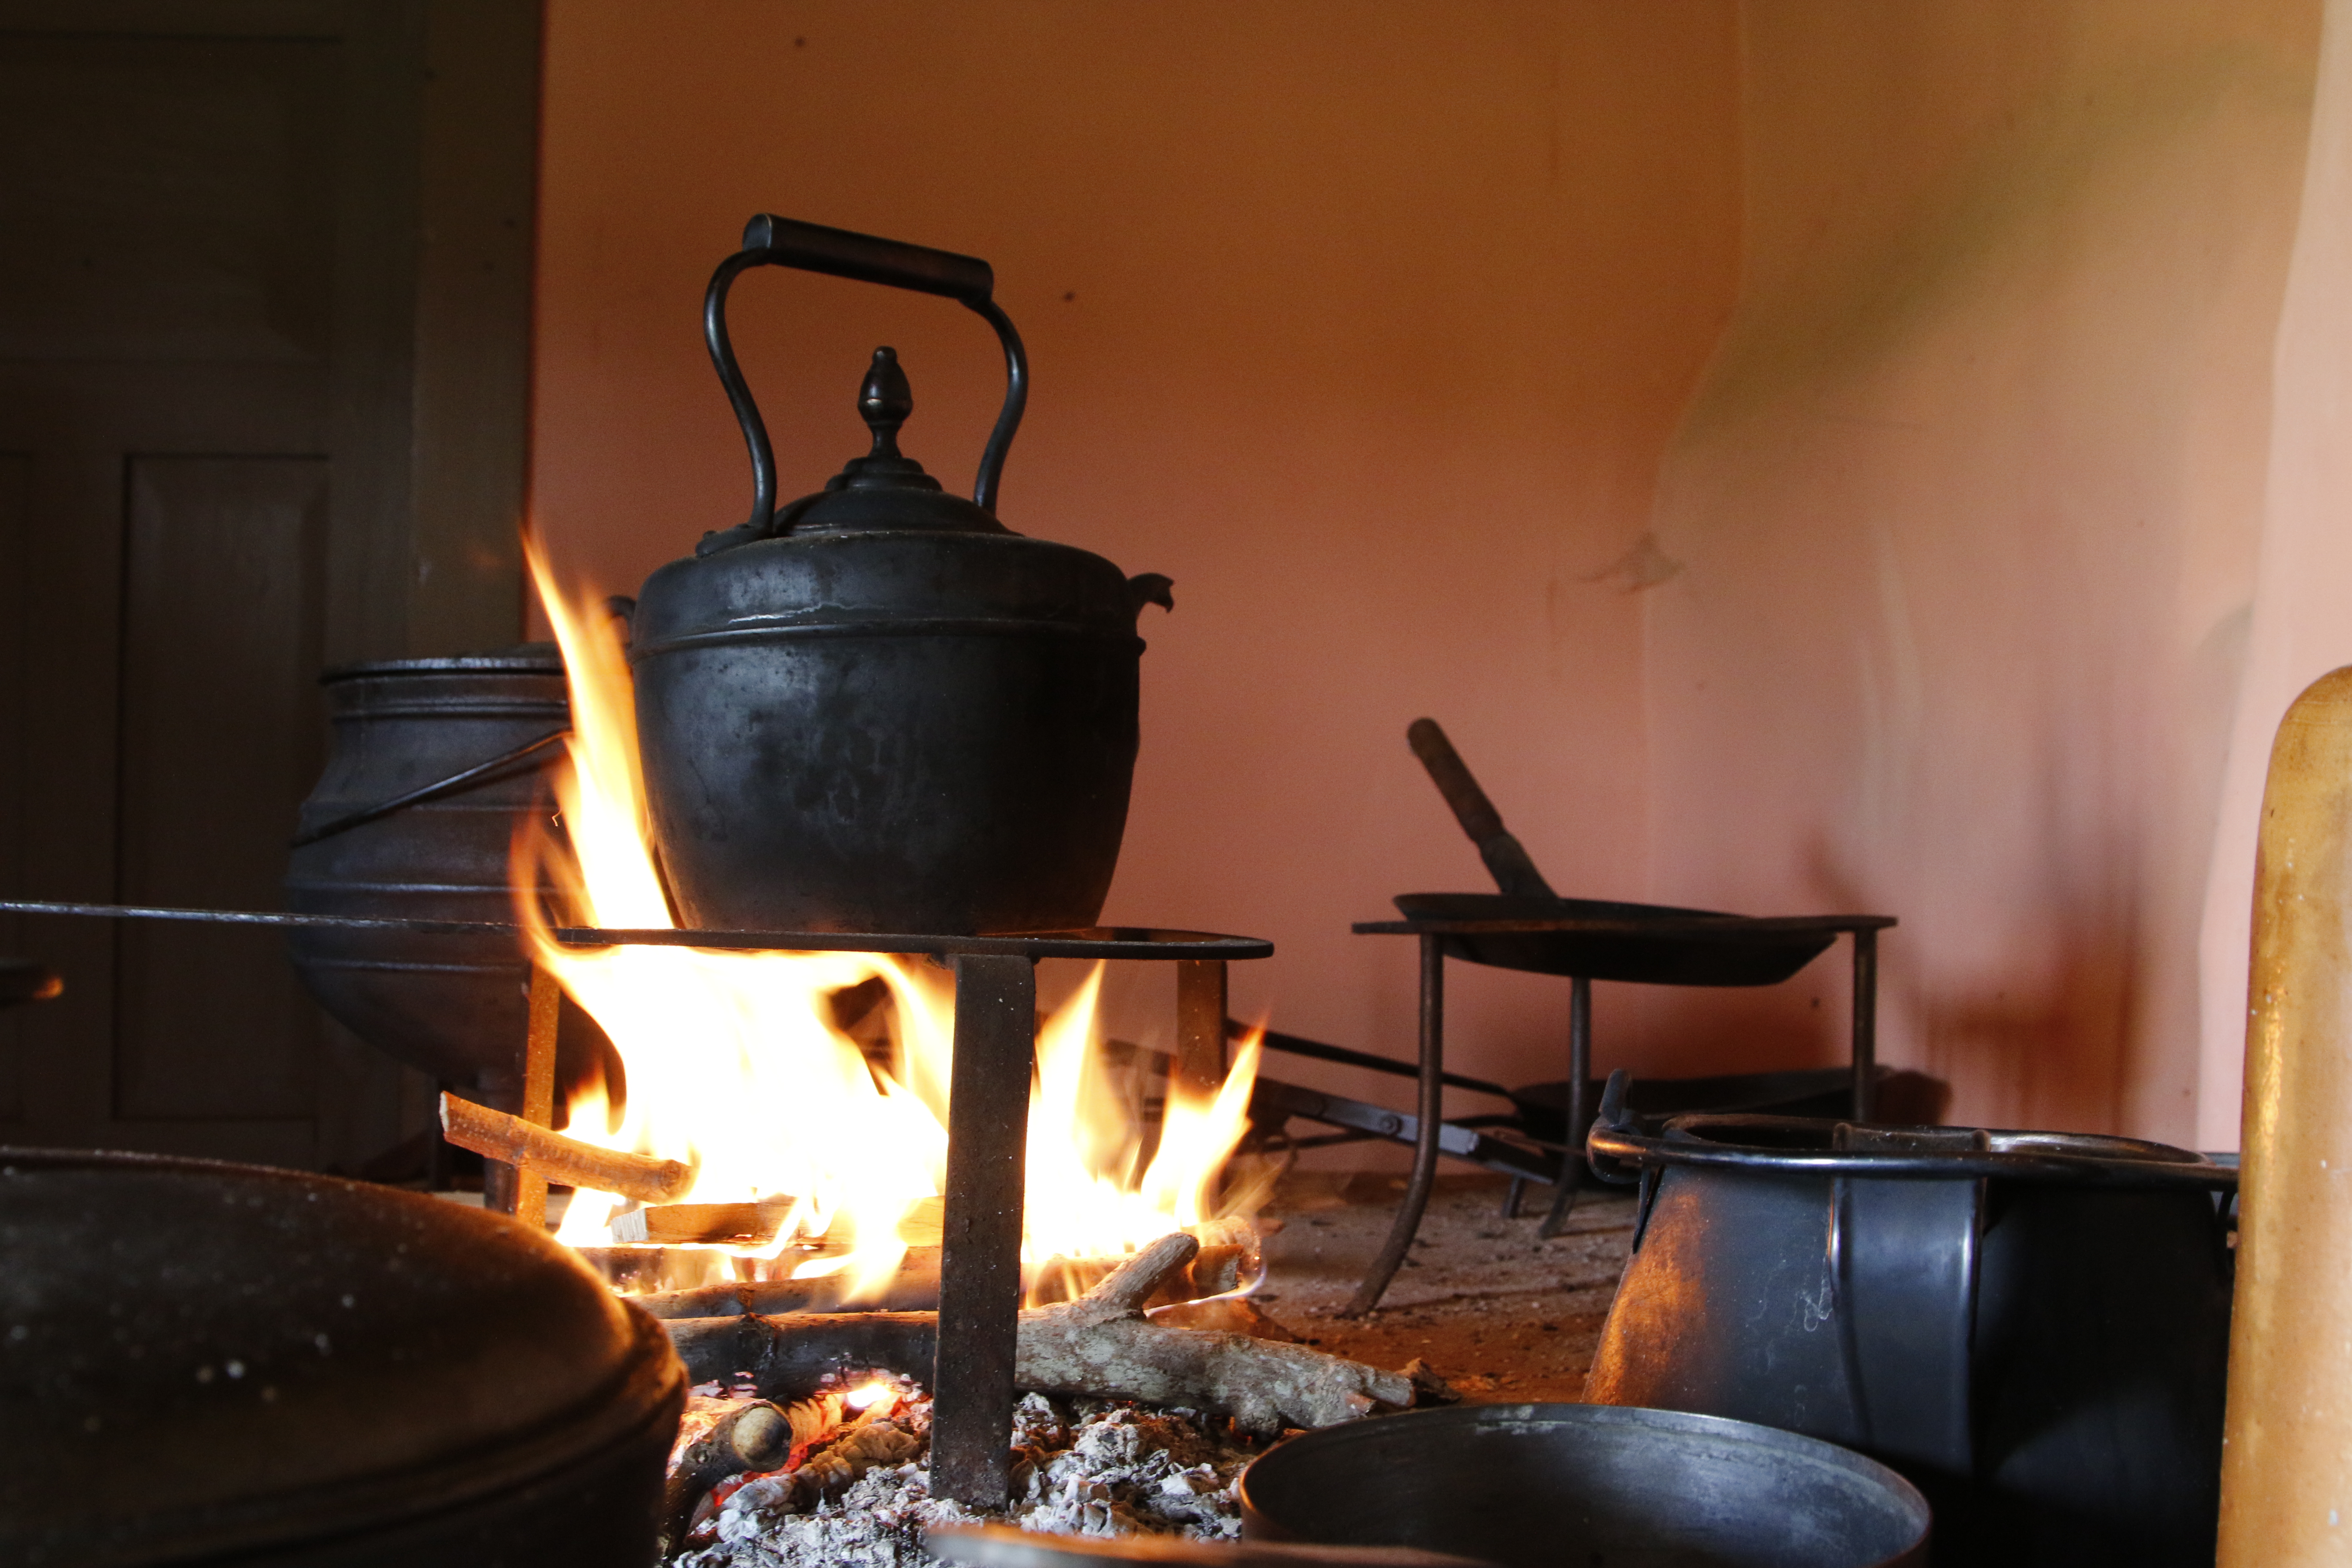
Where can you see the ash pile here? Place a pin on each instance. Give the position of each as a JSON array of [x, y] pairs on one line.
[[856, 1489]]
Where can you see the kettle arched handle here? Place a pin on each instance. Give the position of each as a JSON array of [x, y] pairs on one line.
[[773, 241]]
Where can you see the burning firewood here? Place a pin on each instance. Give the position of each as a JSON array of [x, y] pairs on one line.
[[670, 1224], [497, 1136], [758, 1437], [1100, 1345]]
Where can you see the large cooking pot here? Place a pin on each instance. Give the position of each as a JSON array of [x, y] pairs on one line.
[[2032, 1326], [876, 708], [206, 1362], [1535, 1486], [432, 765]]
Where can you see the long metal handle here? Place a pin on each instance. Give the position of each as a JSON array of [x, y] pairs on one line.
[[1507, 861], [464, 778], [772, 241]]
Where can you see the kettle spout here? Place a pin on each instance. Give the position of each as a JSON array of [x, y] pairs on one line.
[[1151, 588]]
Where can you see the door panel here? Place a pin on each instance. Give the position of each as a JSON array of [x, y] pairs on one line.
[[221, 728], [245, 323]]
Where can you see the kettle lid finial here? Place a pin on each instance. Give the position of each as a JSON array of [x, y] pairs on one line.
[[885, 401]]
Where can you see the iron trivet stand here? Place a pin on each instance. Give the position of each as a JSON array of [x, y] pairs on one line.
[[988, 1118]]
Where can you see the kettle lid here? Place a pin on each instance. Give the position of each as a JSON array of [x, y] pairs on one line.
[[883, 489]]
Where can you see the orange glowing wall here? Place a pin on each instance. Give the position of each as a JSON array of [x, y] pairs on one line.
[[1808, 452], [1368, 324], [1965, 514]]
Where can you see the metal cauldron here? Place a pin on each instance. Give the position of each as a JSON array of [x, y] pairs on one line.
[[878, 708], [206, 1362], [432, 764], [2031, 1326]]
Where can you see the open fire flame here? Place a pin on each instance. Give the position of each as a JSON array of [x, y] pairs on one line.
[[734, 1065]]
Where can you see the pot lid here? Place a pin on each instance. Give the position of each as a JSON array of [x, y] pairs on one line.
[[883, 489], [522, 659], [238, 1355]]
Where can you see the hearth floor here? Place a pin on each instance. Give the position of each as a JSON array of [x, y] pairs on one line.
[[1500, 1313]]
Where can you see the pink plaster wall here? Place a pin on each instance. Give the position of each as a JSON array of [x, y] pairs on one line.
[[1965, 514], [1366, 323]]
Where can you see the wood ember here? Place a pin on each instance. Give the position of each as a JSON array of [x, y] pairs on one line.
[[497, 1136], [1099, 1345]]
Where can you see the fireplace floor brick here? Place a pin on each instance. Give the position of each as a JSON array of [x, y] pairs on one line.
[[1502, 1315]]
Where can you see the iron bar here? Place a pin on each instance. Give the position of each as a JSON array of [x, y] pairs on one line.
[[980, 1243], [1200, 1024], [1316, 1051], [1579, 1077], [1094, 941]]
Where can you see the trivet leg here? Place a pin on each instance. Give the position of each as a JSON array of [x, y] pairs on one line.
[[1424, 1144], [1201, 1022], [979, 1247], [1866, 1024], [1580, 1074]]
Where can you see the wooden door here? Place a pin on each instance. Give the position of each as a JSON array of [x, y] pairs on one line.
[[263, 308]]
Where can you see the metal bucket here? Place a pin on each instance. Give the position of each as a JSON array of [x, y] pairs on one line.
[[1538, 1485], [453, 1006], [221, 1364], [2031, 1326]]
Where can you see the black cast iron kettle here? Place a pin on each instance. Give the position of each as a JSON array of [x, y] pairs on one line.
[[876, 708]]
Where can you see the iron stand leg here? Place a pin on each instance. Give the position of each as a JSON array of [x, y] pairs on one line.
[[1201, 1023], [1511, 1196], [1579, 1075], [1424, 1144], [980, 1247], [1866, 1024]]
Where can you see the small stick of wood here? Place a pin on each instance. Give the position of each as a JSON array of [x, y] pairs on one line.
[[670, 1224], [538, 1088], [496, 1136]]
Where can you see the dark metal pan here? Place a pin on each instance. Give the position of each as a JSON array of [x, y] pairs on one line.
[[1668, 952], [1535, 1486]]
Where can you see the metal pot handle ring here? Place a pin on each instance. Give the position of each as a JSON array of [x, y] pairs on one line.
[[773, 241]]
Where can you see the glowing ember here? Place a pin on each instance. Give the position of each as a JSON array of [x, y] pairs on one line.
[[734, 1065], [873, 1393]]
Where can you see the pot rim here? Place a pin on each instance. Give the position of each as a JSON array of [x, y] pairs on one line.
[[1757, 1144], [1441, 1425]]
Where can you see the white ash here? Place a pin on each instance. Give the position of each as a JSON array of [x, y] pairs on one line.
[[1085, 1467]]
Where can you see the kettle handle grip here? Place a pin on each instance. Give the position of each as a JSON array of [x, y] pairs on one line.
[[773, 241]]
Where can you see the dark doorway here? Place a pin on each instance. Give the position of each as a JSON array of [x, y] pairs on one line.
[[264, 370]]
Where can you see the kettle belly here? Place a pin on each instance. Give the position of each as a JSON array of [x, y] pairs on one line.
[[947, 783]]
